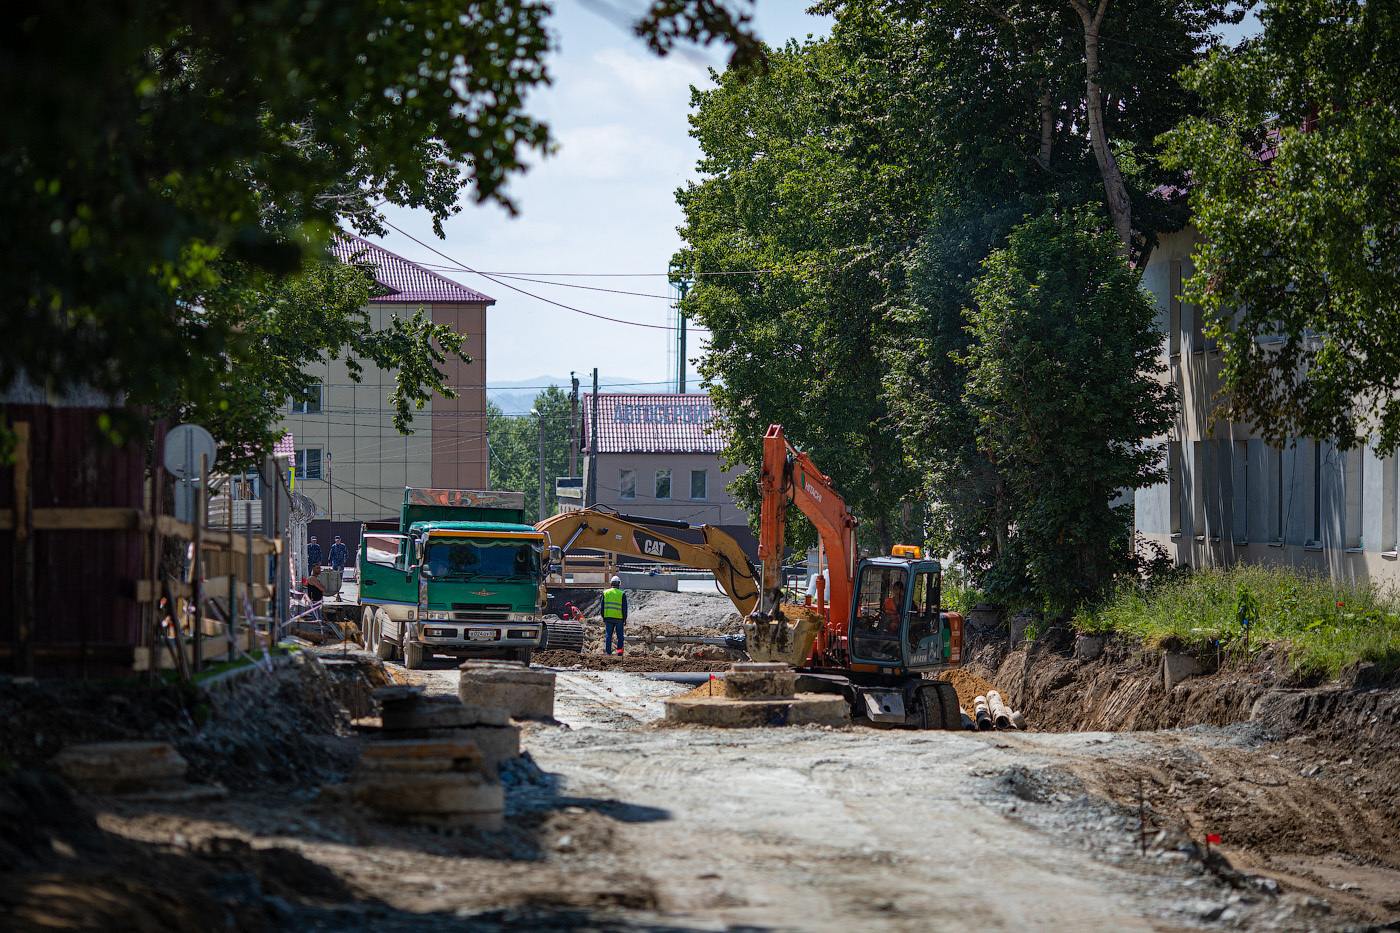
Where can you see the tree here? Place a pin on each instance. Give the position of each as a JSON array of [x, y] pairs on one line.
[[798, 341], [1296, 194], [515, 449], [281, 324], [1067, 388], [1030, 97], [150, 146]]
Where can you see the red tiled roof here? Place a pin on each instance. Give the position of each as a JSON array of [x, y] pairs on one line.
[[402, 281], [663, 423]]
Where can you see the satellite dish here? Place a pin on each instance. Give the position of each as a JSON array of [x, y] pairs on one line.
[[183, 447]]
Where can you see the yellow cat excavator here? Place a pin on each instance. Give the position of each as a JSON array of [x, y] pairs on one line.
[[636, 536]]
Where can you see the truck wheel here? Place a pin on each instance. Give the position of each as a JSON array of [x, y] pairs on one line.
[[412, 654], [383, 648], [522, 655], [938, 707], [369, 639]]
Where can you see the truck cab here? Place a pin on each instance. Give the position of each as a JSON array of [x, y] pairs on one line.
[[897, 624], [455, 579]]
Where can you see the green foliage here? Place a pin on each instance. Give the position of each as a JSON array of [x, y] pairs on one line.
[[163, 157], [1327, 624], [281, 324], [515, 449], [799, 344], [1064, 382], [1296, 169]]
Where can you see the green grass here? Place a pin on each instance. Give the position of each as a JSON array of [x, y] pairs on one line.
[[1326, 624]]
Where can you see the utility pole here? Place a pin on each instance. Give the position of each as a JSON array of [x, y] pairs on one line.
[[573, 427], [330, 485], [680, 282], [593, 447], [539, 423]]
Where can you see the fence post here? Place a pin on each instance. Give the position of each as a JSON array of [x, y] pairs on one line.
[[24, 555], [197, 565]]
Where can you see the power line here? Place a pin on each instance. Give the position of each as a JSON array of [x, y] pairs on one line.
[[521, 278], [514, 288]]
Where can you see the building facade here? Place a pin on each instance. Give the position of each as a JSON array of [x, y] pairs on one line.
[[1230, 497], [658, 457], [349, 457]]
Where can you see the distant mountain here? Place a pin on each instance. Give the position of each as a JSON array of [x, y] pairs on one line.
[[518, 397]]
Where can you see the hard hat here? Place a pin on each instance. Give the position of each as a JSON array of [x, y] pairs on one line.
[[616, 579]]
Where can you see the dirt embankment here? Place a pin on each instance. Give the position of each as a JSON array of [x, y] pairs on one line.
[[1301, 785]]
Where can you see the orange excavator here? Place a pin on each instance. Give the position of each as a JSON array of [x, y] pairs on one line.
[[883, 629]]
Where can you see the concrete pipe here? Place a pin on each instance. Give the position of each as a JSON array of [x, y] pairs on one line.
[[1018, 719], [982, 715], [1001, 716]]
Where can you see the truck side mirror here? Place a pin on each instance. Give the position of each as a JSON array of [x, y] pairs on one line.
[[556, 554]]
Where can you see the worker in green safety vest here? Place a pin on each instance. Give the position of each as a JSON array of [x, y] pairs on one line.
[[614, 615]]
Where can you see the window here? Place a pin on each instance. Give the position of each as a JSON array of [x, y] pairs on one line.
[[699, 484], [308, 402], [663, 484], [1175, 485], [627, 484], [1239, 499], [1355, 491], [1275, 494], [1174, 307], [309, 463], [1197, 492], [1388, 503], [1317, 494]]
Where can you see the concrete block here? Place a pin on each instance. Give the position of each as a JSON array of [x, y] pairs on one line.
[[464, 798], [1089, 647], [441, 713], [759, 681], [494, 745], [118, 767], [647, 581], [804, 709], [397, 751], [984, 617], [520, 691], [1176, 668]]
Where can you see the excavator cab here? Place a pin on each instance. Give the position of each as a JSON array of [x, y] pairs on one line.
[[896, 622]]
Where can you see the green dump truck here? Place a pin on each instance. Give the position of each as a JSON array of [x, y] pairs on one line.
[[463, 575]]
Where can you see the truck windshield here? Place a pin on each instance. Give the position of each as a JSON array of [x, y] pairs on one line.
[[462, 559]]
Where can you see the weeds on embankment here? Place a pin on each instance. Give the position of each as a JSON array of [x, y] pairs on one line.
[[1326, 624]]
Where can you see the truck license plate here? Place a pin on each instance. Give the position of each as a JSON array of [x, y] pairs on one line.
[[482, 634]]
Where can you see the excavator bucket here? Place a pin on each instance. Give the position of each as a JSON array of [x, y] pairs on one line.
[[788, 639]]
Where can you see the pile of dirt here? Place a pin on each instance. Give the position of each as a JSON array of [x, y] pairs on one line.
[[714, 687], [637, 663], [968, 685]]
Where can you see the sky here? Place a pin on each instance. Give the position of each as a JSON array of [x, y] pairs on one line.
[[604, 205]]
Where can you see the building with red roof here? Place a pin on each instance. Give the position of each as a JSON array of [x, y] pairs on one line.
[[347, 451], [659, 456]]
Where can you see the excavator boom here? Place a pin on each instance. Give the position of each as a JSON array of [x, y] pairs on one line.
[[789, 475], [636, 536]]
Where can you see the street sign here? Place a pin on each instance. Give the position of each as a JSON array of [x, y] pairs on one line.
[[183, 447]]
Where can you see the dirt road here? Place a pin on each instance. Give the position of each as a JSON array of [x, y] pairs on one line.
[[820, 829], [618, 823]]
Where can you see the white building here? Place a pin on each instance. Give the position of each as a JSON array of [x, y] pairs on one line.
[[1230, 497]]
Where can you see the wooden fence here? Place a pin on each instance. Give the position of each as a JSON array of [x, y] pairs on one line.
[[82, 534]]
